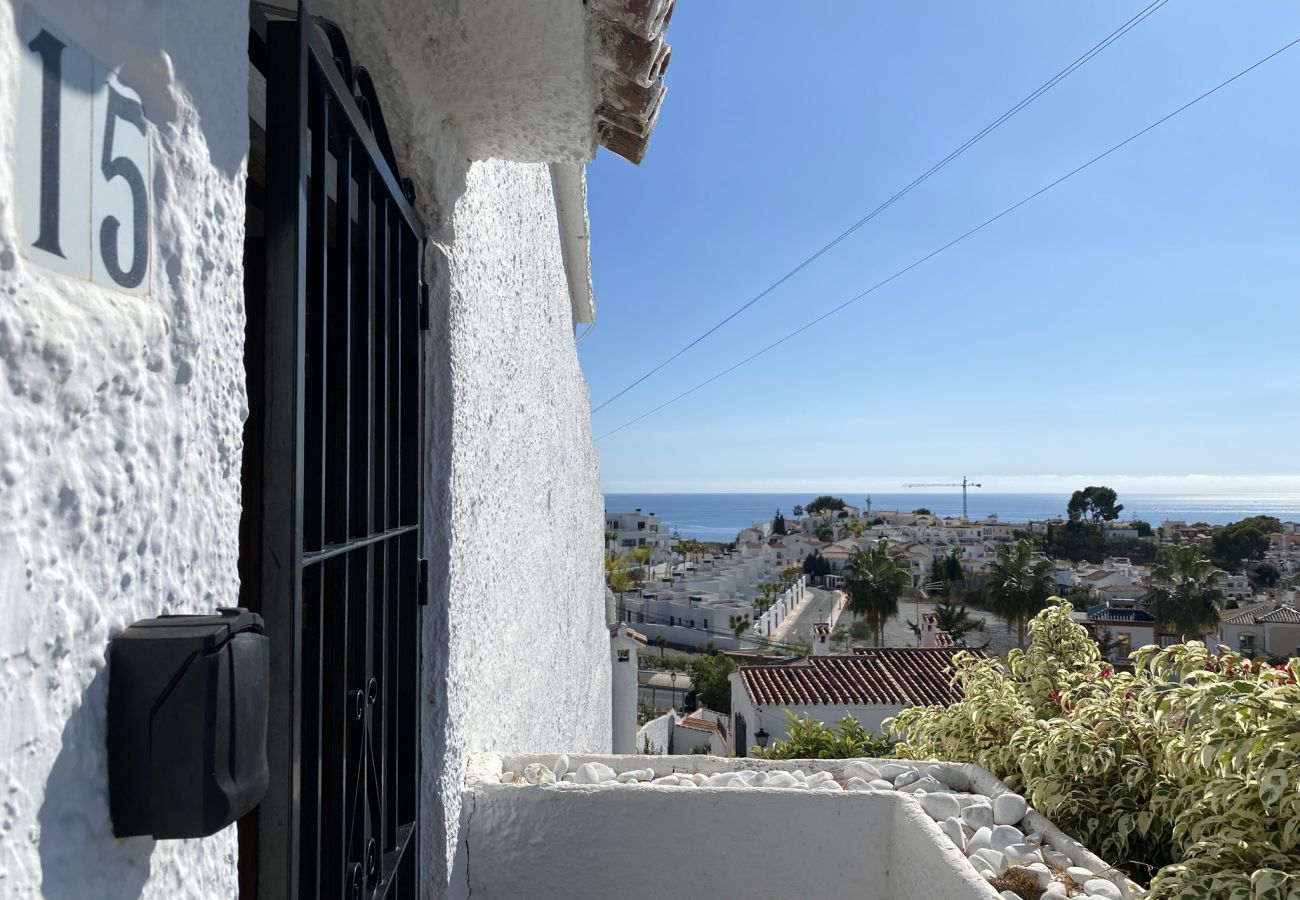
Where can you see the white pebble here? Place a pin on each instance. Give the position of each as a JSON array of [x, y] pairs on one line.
[[891, 771], [1022, 855], [1078, 874], [818, 778], [953, 776], [830, 785], [507, 777], [881, 784], [1056, 889], [940, 806], [1004, 836], [1034, 838], [699, 778], [1042, 874], [1008, 809], [686, 781], [1100, 887], [980, 840], [670, 780], [982, 867], [780, 780], [1055, 858], [594, 773], [978, 815], [568, 778], [561, 766], [906, 778], [799, 776], [858, 784], [535, 772], [996, 860], [952, 828], [861, 769], [722, 779], [1007, 895]]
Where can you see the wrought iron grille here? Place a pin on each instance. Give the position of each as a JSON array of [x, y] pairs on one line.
[[340, 428]]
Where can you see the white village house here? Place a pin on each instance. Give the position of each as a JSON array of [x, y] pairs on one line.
[[287, 318], [871, 684], [1270, 626]]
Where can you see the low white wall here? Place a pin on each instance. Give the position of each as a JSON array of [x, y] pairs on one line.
[[596, 841], [658, 732], [486, 768]]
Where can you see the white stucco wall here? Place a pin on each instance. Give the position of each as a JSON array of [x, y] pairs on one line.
[[120, 446], [521, 659]]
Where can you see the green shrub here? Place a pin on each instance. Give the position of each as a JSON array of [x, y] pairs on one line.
[[809, 739], [1189, 766]]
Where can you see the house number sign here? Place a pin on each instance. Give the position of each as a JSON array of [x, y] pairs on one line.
[[83, 164]]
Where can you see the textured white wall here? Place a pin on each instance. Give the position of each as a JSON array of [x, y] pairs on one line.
[[120, 453], [518, 657], [120, 443]]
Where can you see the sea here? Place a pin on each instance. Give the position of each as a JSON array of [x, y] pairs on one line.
[[717, 517]]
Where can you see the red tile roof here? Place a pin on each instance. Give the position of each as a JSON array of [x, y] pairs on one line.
[[888, 676], [699, 725]]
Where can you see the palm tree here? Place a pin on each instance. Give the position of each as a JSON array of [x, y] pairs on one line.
[[951, 616], [874, 583], [1185, 597], [739, 624], [1018, 585], [661, 642], [618, 578]]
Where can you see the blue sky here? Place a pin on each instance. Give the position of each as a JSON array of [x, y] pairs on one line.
[[1141, 322]]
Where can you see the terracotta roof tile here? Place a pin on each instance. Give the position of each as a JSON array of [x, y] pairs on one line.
[[698, 725], [890, 676]]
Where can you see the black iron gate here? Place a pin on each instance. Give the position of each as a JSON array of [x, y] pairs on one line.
[[339, 426]]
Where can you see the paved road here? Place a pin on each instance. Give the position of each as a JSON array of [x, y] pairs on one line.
[[816, 609]]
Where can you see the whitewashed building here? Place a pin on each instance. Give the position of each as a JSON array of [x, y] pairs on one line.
[[870, 684], [1271, 627], [639, 529], [287, 318]]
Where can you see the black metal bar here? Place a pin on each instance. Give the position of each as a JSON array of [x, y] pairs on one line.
[[363, 315], [382, 351], [335, 723], [313, 652], [286, 213], [352, 113], [317, 317], [339, 357], [396, 299], [356, 544]]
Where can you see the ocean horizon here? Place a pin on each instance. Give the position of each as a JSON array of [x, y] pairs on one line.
[[718, 516]]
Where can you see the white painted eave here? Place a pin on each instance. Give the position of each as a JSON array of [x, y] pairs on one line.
[[569, 185]]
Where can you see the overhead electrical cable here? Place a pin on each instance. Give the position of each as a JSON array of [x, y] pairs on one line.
[[933, 253], [970, 142]]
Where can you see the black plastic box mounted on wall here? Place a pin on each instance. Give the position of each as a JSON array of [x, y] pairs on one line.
[[187, 706]]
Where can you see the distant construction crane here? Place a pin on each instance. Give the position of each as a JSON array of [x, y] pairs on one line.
[[963, 484]]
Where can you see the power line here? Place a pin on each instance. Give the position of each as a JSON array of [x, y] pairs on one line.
[[970, 142], [956, 240]]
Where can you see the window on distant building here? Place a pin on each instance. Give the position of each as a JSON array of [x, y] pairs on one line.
[[1168, 640], [1123, 645], [629, 542], [640, 526], [624, 655], [1247, 643], [640, 542]]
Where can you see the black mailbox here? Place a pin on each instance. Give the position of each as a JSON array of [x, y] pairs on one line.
[[187, 705]]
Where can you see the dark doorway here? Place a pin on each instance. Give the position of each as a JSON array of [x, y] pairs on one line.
[[331, 531]]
